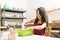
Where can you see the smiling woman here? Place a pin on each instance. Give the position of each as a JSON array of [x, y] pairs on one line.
[[40, 22]]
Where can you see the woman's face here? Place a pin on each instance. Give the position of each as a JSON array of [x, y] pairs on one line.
[[38, 15]]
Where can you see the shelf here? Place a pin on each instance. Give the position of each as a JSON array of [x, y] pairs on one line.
[[13, 18], [3, 27], [55, 28], [8, 10], [57, 34]]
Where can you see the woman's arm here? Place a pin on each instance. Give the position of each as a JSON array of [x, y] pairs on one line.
[[39, 27], [42, 26]]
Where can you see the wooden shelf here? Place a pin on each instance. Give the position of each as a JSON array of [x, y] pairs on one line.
[[53, 10], [3, 27], [8, 10], [13, 18], [57, 34]]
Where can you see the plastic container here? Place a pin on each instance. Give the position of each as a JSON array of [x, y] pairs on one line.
[[24, 32]]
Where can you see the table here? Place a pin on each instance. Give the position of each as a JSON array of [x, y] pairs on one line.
[[32, 37], [37, 37]]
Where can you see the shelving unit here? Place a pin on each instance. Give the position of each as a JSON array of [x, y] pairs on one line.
[[0, 15], [12, 17]]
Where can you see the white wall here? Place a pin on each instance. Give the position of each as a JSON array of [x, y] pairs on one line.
[[47, 4], [14, 3], [32, 5], [55, 15]]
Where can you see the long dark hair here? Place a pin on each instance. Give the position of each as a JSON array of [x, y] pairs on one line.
[[44, 18]]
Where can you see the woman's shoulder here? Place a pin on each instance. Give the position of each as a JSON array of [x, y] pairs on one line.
[[33, 19], [44, 23]]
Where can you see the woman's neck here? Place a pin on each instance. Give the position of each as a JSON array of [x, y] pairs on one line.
[[39, 21]]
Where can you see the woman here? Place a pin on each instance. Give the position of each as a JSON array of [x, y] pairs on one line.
[[40, 22]]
